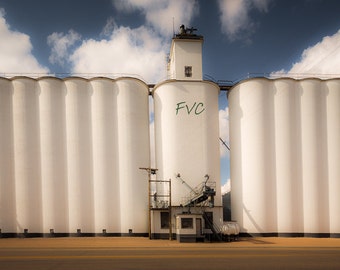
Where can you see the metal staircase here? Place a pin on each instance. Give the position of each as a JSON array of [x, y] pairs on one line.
[[216, 231], [200, 193], [203, 196]]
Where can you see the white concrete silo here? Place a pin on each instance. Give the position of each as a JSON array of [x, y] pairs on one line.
[[26, 131], [133, 154], [105, 155], [314, 156], [287, 104], [304, 123], [186, 134], [53, 154], [333, 149], [251, 107], [7, 177], [79, 155]]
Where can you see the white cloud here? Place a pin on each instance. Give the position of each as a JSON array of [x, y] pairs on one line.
[[16, 52], [235, 19], [60, 43], [139, 52], [110, 26], [226, 187], [321, 60], [159, 14], [224, 130], [136, 52]]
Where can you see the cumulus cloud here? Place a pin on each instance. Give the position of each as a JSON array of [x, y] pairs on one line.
[[136, 52], [224, 130], [320, 60], [121, 51], [235, 19], [159, 14], [226, 187], [60, 44], [16, 52]]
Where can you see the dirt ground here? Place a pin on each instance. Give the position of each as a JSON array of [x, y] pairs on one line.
[[138, 242]]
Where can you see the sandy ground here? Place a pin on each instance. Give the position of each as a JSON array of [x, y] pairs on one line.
[[141, 242]]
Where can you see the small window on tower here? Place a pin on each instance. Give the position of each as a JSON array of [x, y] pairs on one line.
[[188, 71]]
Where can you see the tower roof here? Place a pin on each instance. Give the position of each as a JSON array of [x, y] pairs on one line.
[[187, 33]]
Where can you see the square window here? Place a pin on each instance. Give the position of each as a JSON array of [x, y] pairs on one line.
[[187, 223], [188, 71]]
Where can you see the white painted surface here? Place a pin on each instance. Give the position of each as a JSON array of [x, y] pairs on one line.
[[284, 139], [187, 135]]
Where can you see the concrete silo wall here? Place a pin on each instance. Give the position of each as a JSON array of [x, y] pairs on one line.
[[71, 151], [53, 154], [187, 135], [333, 152], [284, 137], [134, 153], [105, 155], [26, 130], [288, 156], [79, 155], [7, 174]]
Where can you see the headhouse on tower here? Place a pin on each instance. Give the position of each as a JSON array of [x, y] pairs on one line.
[[185, 60]]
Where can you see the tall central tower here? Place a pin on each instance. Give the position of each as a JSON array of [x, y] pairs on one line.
[[185, 61], [187, 125]]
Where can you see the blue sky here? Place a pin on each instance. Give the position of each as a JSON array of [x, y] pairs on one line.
[[241, 37]]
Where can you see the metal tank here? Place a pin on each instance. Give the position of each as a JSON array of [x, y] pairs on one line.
[[27, 155], [187, 136], [52, 119]]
